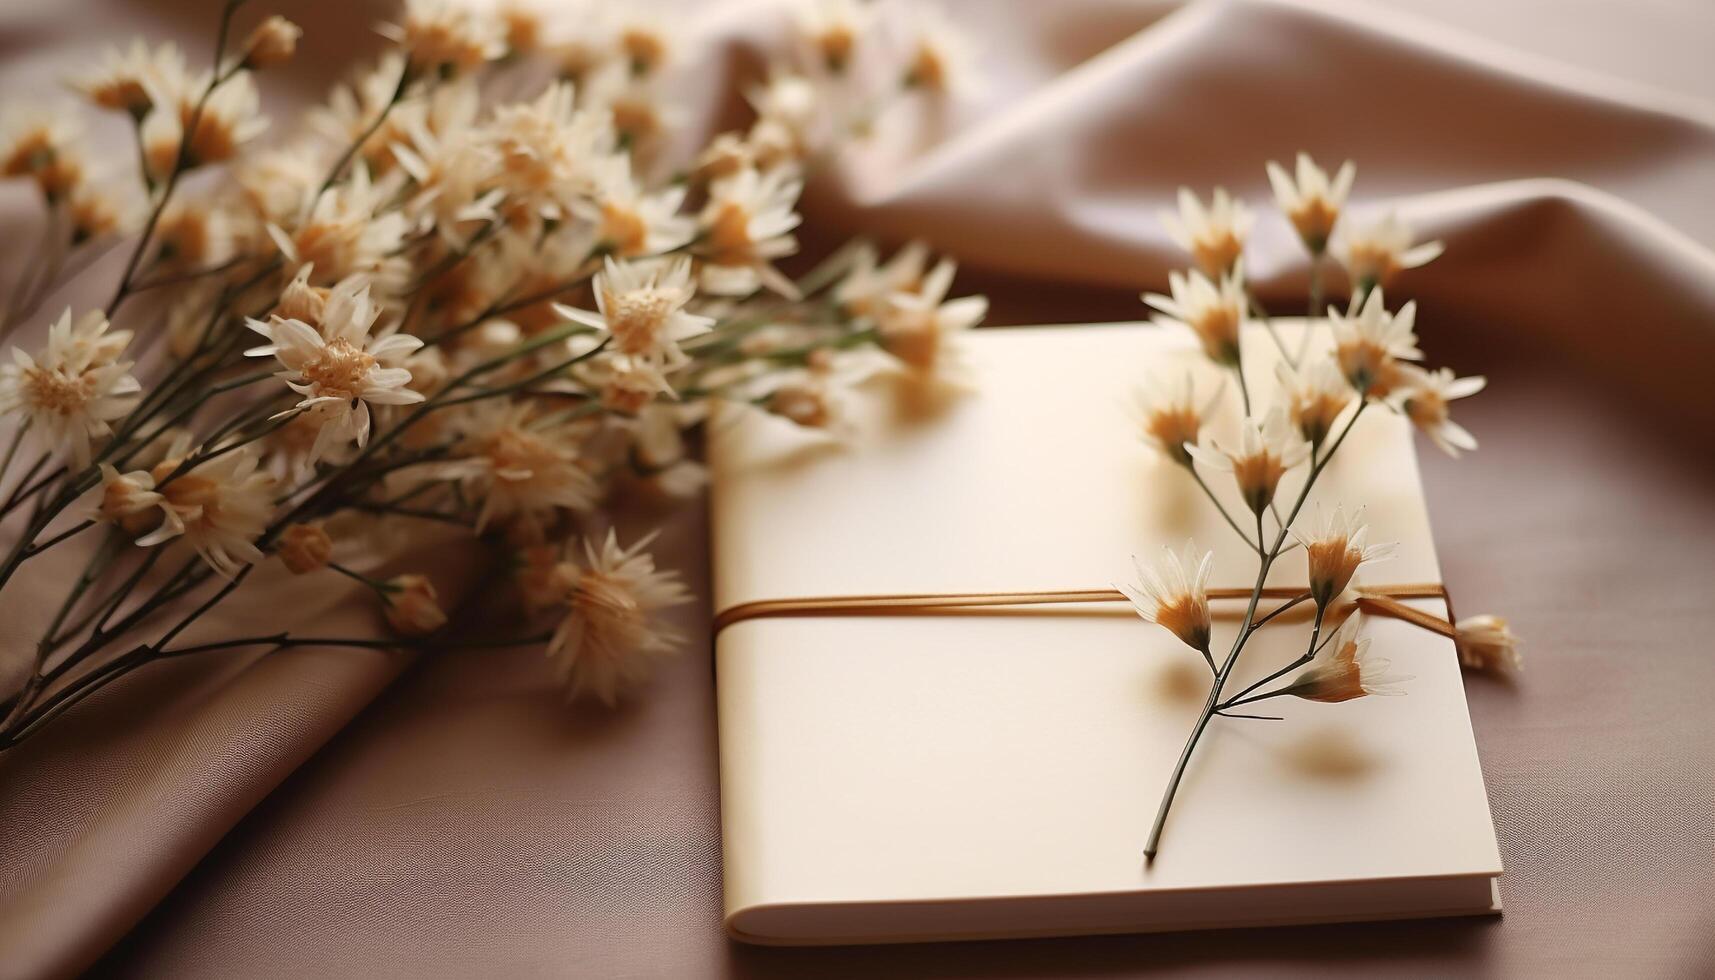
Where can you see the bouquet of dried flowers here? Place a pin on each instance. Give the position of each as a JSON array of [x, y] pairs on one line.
[[477, 288], [1372, 364]]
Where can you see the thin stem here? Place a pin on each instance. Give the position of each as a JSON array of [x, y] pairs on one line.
[[1244, 388], [36, 549], [1309, 654], [1255, 546], [368, 131], [1283, 607], [1261, 314], [1228, 714]]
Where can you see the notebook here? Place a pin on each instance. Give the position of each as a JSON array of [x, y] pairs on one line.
[[995, 774]]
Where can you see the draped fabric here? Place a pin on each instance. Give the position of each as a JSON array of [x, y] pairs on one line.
[[331, 811]]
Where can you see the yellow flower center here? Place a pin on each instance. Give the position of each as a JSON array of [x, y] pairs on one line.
[[1215, 253], [56, 392], [339, 369], [1171, 428], [637, 317]]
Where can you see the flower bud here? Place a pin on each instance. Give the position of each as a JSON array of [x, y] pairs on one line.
[[412, 605], [1487, 643], [305, 548], [272, 43]]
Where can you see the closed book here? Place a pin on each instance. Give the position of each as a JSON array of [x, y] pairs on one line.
[[992, 773]]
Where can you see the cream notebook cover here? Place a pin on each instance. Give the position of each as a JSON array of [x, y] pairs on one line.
[[992, 775]]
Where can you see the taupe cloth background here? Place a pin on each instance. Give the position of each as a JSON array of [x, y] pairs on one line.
[[330, 812]]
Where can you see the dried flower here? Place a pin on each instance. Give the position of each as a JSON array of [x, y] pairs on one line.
[[829, 31], [304, 548], [346, 231], [1315, 397], [1487, 643], [99, 211], [1172, 417], [229, 118], [127, 81], [302, 301], [193, 235], [1174, 594], [272, 43], [939, 59], [72, 389], [645, 41], [340, 370], [917, 327], [445, 36], [1215, 236], [127, 500], [41, 143], [1370, 345], [868, 284], [745, 226], [641, 303], [1333, 551], [1349, 672], [520, 465], [611, 637], [1312, 202], [1374, 254], [630, 223], [1424, 398], [412, 606], [1267, 449], [220, 506], [1212, 313], [658, 455]]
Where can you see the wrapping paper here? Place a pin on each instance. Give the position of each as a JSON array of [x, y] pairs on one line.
[[323, 814]]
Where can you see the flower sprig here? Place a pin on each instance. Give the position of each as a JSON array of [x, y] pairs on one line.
[[499, 316], [1371, 362]]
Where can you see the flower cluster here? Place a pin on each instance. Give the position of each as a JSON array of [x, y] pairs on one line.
[[505, 315], [1346, 362]]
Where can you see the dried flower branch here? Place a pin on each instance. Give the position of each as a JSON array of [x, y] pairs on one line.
[[1372, 362]]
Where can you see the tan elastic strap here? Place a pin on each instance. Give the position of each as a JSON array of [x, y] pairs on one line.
[[1382, 600]]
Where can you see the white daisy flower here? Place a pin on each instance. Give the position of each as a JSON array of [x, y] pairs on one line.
[[1213, 313], [340, 369], [918, 328], [523, 467], [76, 385], [939, 58], [42, 142], [1315, 396], [746, 225], [641, 304], [1370, 346], [230, 117], [129, 80], [628, 221], [348, 230], [1174, 594], [829, 32], [869, 282], [447, 36], [220, 506], [1349, 672], [1335, 548], [1424, 399], [1312, 202], [1172, 416], [611, 636], [1214, 235], [1375, 253], [1267, 449]]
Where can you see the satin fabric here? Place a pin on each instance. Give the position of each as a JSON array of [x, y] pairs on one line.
[[330, 812]]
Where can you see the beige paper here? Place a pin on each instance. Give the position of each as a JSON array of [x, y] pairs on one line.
[[980, 763]]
